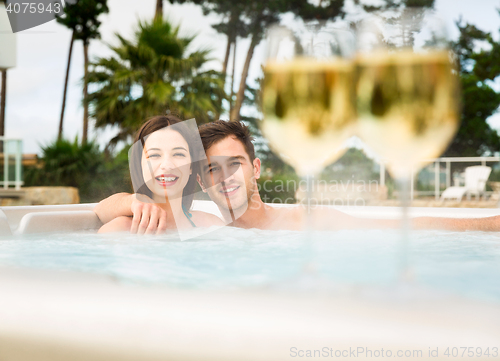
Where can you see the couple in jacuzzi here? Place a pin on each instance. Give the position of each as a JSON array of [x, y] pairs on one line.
[[170, 156]]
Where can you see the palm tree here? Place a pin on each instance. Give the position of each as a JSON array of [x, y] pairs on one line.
[[149, 75], [3, 96], [65, 91], [81, 17], [159, 8]]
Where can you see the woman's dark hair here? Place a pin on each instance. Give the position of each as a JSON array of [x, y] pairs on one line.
[[150, 126]]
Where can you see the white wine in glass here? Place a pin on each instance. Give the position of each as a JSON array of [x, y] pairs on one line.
[[307, 94], [407, 105], [308, 112]]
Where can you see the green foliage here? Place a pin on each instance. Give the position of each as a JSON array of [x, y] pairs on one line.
[[354, 163], [278, 188], [494, 176], [65, 163], [478, 68], [396, 5], [150, 74], [81, 17], [270, 160], [278, 182], [251, 18], [112, 176], [275, 174], [95, 174], [230, 12], [325, 10]]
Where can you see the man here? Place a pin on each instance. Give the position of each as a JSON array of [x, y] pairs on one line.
[[230, 179]]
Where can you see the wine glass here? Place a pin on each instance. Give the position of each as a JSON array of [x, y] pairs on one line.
[[307, 95], [407, 95], [308, 103]]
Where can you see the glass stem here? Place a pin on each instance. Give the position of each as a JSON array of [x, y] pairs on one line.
[[404, 256], [309, 195], [308, 226]]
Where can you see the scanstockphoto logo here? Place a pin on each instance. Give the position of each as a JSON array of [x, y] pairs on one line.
[[25, 14]]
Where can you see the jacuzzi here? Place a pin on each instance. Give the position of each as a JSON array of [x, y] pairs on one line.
[[69, 294]]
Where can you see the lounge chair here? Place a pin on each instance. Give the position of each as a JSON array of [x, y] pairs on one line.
[[475, 184]]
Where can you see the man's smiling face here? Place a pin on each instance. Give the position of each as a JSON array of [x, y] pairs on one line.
[[229, 177]]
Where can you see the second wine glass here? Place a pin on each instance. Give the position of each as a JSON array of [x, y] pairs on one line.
[[407, 95], [307, 96]]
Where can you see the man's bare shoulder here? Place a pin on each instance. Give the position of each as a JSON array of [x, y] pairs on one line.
[[293, 217], [285, 218]]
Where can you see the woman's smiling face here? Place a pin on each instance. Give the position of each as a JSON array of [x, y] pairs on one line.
[[166, 163]]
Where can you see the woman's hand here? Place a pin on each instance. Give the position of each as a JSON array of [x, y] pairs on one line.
[[148, 218]]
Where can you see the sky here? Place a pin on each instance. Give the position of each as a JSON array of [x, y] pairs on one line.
[[35, 85]]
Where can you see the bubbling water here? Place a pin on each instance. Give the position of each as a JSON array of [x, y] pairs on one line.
[[465, 264]]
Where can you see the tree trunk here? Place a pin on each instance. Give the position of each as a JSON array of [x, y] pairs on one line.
[[3, 95], [2, 103], [85, 93], [226, 57], [235, 114], [59, 136], [224, 70], [232, 78], [159, 9]]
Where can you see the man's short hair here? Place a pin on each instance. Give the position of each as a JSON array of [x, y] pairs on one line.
[[213, 132]]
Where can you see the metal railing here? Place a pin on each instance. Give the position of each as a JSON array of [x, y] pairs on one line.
[[12, 149], [437, 172]]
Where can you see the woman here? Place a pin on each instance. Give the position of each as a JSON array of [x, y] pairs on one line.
[[164, 166]]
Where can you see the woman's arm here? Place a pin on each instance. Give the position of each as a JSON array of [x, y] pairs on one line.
[[204, 219], [147, 217], [114, 206], [120, 224]]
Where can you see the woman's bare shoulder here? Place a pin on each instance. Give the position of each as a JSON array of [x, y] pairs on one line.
[[204, 219], [118, 224]]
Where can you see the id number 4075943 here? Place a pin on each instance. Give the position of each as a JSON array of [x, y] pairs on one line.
[[471, 352], [32, 8]]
